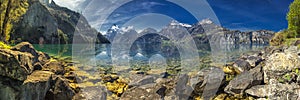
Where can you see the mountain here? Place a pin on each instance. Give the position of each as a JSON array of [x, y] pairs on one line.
[[205, 34], [45, 22], [220, 35]]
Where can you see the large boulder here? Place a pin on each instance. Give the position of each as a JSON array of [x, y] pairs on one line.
[[276, 91], [137, 93], [21, 60], [241, 65], [212, 79], [26, 47], [240, 83], [36, 85], [15, 64], [280, 63], [91, 93], [60, 90], [254, 60]]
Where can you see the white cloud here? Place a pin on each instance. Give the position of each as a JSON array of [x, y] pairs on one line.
[[71, 4]]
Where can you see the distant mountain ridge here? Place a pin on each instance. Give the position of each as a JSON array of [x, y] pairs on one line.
[[206, 31]]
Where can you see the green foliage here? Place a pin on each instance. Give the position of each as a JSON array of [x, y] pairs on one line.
[[293, 18], [278, 39], [4, 46], [285, 37], [63, 37], [288, 36]]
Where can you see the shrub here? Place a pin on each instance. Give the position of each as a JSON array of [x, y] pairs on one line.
[[278, 39]]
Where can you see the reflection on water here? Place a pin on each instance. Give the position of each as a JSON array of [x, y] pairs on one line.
[[100, 54]]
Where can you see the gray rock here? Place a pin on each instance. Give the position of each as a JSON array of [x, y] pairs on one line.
[[239, 83], [280, 63], [275, 91], [254, 60], [241, 66], [141, 94], [36, 85], [245, 80], [257, 75], [258, 91], [54, 66], [213, 79], [181, 83], [297, 43], [57, 29], [60, 90], [143, 81], [90, 93]]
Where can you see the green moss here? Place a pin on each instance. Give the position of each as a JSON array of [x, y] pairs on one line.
[[63, 37], [287, 76], [11, 12], [4, 46]]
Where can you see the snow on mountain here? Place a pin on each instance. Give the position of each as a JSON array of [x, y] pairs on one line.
[[175, 23], [206, 21]]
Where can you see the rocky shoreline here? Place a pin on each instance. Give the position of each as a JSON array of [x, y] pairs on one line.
[[27, 74]]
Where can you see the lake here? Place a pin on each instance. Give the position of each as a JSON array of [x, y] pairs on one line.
[[100, 54]]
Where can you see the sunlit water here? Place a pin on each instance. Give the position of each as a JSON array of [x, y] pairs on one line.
[[100, 54]]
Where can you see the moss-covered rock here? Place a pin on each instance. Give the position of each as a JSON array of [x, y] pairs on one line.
[[4, 46]]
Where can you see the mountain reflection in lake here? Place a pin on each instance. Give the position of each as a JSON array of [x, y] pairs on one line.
[[162, 55]]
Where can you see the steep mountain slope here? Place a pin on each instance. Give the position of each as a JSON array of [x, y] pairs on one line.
[[46, 22], [10, 13]]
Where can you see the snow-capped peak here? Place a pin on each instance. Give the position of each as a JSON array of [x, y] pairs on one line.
[[206, 21], [175, 23], [115, 27]]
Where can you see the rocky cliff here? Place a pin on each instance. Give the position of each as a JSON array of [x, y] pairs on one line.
[[45, 22], [205, 34]]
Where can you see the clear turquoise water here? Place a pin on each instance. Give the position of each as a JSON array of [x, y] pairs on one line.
[[87, 52]]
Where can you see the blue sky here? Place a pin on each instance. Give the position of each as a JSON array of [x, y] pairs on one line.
[[233, 14], [252, 14]]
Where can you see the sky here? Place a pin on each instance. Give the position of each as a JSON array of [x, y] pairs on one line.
[[242, 15]]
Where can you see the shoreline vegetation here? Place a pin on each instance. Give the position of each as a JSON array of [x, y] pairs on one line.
[[28, 74]]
